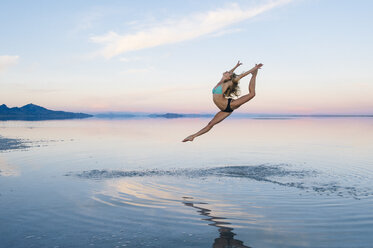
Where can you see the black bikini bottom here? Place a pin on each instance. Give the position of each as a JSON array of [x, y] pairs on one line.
[[228, 108]]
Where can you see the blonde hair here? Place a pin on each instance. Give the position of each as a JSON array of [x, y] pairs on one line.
[[234, 89]]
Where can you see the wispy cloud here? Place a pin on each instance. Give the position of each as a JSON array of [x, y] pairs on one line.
[[181, 29], [6, 61], [130, 59], [226, 31]]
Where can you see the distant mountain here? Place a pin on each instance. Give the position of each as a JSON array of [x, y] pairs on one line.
[[175, 115], [168, 115], [35, 112], [114, 115]]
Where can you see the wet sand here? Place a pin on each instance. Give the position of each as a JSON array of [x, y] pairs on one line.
[[7, 144]]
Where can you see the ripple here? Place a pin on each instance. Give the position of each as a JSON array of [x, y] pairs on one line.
[[281, 174], [259, 172]]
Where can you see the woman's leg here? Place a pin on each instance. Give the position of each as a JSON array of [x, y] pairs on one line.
[[217, 118], [235, 104]]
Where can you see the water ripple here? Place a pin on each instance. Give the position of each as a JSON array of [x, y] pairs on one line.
[[281, 174]]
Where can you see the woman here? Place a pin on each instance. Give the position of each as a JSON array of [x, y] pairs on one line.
[[228, 87]]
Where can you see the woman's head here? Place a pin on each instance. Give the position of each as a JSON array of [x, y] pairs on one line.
[[234, 89], [227, 75]]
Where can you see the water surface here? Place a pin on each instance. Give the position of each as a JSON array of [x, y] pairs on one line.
[[298, 182]]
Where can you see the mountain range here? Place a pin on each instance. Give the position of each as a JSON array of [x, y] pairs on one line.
[[35, 112]]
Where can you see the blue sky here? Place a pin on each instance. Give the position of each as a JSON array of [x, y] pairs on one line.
[[166, 56]]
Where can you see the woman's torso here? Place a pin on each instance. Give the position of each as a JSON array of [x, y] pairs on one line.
[[219, 98]]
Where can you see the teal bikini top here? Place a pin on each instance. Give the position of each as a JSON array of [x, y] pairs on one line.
[[218, 90]]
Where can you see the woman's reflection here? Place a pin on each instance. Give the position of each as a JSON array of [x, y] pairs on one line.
[[226, 239]]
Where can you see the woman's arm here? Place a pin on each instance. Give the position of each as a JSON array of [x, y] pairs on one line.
[[237, 65], [256, 67]]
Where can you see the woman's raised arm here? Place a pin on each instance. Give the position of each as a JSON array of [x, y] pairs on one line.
[[234, 68], [256, 67]]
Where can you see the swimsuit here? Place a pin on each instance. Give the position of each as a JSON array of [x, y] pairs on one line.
[[228, 108], [219, 90]]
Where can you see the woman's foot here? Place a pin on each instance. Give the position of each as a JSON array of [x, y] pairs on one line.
[[189, 138], [258, 65], [256, 68]]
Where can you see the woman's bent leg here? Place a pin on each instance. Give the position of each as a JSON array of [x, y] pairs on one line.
[[235, 104]]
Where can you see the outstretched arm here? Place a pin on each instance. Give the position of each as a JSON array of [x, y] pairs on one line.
[[256, 67], [234, 68], [217, 118]]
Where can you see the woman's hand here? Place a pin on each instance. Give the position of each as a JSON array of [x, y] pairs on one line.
[[238, 64]]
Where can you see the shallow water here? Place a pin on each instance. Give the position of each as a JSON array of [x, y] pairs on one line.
[[302, 182]]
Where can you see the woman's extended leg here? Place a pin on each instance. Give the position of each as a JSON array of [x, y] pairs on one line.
[[235, 104], [217, 118]]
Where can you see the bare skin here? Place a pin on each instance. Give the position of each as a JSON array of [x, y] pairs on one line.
[[221, 102]]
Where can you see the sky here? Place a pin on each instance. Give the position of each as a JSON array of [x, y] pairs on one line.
[[166, 56]]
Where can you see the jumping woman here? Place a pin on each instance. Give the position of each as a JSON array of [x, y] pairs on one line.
[[222, 96]]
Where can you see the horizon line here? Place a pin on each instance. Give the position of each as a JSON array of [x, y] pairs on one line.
[[206, 113], [210, 113]]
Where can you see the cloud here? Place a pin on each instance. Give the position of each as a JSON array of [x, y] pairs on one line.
[[181, 29], [6, 61], [226, 31], [130, 59]]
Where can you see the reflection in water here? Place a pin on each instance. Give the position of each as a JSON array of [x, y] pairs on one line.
[[226, 239], [134, 195]]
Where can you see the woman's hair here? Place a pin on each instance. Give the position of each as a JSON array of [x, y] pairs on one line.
[[233, 90]]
